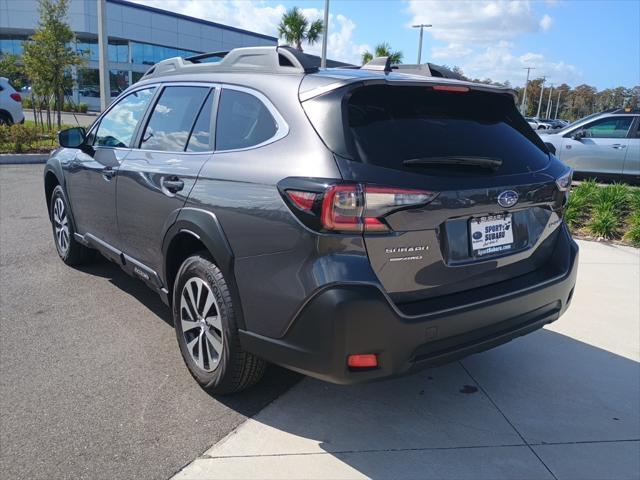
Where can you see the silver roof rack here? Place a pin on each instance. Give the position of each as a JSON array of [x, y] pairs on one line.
[[279, 59]]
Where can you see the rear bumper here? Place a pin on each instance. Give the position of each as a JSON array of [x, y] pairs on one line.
[[341, 320]]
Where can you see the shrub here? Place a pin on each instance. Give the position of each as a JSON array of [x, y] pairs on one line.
[[604, 221], [633, 234], [22, 137], [4, 134], [616, 195], [634, 200]]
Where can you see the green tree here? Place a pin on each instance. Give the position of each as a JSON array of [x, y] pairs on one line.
[[48, 56], [382, 50], [294, 28], [11, 67]]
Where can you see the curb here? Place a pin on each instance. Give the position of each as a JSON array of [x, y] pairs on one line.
[[23, 158]]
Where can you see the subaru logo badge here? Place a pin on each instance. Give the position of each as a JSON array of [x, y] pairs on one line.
[[507, 199]]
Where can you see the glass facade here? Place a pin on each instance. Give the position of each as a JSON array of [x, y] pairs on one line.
[[11, 45], [148, 54]]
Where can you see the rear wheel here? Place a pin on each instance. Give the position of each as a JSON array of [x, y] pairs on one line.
[[70, 251], [5, 119], [206, 329]]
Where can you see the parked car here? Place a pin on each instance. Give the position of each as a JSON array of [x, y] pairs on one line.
[[10, 104], [327, 220], [604, 145], [536, 123]]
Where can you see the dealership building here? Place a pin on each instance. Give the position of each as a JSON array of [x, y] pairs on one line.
[[139, 36]]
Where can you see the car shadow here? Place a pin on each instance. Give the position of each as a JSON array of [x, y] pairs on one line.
[[463, 420], [276, 380]]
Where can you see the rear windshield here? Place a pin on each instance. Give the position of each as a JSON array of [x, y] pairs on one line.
[[385, 125]]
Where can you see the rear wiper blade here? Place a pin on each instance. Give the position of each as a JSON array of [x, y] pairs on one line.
[[484, 162]]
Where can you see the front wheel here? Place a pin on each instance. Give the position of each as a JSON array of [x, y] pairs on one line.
[[206, 329], [70, 251]]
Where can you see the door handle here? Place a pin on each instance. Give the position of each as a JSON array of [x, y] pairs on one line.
[[172, 184], [108, 173], [618, 145]]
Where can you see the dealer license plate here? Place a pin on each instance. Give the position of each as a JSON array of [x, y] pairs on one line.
[[491, 234]]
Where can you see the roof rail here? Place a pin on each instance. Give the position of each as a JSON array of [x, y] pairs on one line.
[[281, 59], [622, 111], [382, 64], [204, 56]]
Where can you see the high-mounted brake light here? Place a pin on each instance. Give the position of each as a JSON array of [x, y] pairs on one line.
[[451, 88]]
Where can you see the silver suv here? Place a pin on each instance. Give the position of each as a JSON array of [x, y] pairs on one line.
[[603, 145]]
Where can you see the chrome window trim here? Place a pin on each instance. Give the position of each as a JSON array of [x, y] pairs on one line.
[[282, 127]]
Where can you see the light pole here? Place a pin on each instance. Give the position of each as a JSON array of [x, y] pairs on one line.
[[549, 103], [422, 26], [558, 103], [540, 101], [103, 41], [524, 94], [323, 59]]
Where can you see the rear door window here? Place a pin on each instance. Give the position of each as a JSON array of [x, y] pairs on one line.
[[173, 118], [243, 121]]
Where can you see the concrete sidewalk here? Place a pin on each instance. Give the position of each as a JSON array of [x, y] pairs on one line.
[[561, 403]]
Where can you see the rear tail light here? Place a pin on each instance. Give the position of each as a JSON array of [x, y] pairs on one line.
[[564, 182], [16, 96], [355, 207]]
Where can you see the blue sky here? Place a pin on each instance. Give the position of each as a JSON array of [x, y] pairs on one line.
[[574, 41]]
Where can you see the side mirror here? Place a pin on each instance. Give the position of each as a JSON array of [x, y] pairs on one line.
[[72, 137], [579, 135]]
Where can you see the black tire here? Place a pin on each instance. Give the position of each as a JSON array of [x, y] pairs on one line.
[[235, 369], [70, 251], [5, 119]]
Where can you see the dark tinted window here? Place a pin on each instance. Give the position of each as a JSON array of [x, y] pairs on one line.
[[118, 125], [388, 124], [172, 119], [200, 140], [243, 121]]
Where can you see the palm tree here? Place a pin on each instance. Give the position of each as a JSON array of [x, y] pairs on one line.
[[382, 50], [295, 28]]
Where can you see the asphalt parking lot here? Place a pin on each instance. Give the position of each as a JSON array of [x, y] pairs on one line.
[[92, 386], [91, 380]]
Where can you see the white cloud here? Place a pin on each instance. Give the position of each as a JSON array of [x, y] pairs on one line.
[[480, 37], [258, 17], [545, 22]]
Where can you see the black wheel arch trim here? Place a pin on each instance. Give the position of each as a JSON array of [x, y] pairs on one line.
[[204, 226], [55, 169]]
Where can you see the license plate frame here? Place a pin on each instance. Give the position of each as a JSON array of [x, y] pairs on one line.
[[491, 234]]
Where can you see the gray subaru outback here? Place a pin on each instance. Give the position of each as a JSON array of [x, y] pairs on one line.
[[349, 223]]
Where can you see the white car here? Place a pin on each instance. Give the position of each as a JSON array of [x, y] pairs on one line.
[[536, 123], [10, 104], [604, 145]]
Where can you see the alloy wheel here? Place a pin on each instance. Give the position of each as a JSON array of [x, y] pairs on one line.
[[61, 225], [201, 324]]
